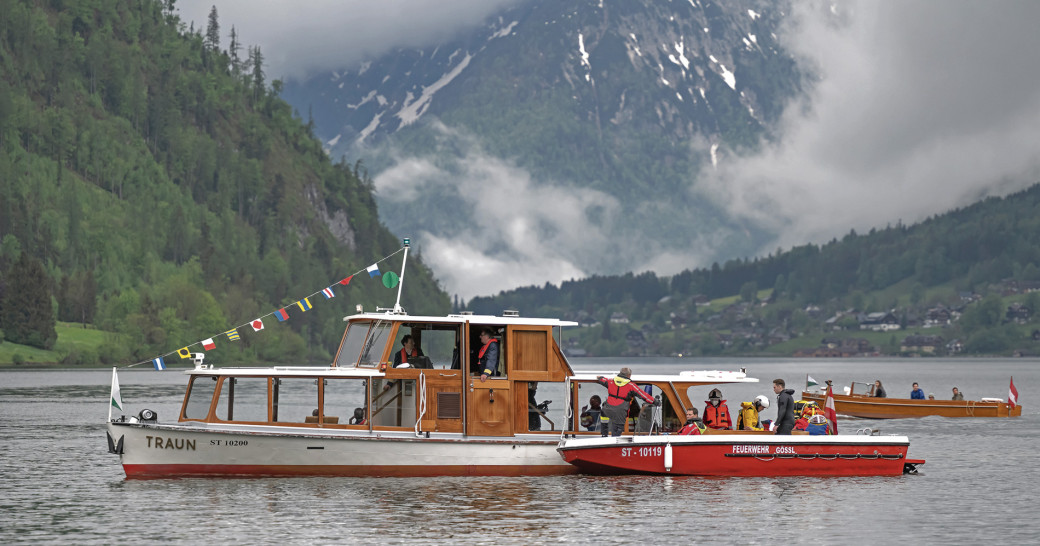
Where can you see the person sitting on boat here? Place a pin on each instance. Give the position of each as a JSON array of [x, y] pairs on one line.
[[818, 425], [620, 390], [879, 391], [408, 350], [716, 412], [694, 426], [748, 418], [931, 396], [957, 395], [487, 358], [916, 393], [590, 414], [784, 407], [358, 418]]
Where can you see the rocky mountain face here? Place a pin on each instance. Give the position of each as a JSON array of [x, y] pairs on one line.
[[629, 101]]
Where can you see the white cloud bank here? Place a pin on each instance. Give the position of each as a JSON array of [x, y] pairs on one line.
[[921, 107]]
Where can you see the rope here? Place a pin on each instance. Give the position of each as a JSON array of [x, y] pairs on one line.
[[422, 402], [358, 272]]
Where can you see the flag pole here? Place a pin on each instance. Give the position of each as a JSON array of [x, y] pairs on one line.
[[404, 262]]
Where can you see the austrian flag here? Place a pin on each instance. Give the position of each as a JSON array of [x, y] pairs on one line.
[[1012, 395]]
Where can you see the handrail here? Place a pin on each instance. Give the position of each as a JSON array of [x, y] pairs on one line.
[[388, 402], [531, 406]]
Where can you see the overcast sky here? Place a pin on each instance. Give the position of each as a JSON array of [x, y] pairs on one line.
[[920, 107]]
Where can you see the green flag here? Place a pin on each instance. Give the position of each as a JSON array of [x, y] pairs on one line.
[[810, 382], [390, 279]]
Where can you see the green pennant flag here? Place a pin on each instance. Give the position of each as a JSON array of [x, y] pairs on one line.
[[810, 382]]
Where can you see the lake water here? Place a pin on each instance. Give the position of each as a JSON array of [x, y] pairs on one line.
[[58, 483]]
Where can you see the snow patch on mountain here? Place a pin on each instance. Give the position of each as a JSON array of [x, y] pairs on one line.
[[412, 111]]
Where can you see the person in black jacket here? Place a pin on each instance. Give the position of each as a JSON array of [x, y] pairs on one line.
[[784, 407], [879, 391]]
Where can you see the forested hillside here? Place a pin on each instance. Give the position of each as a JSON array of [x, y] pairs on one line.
[[168, 193], [991, 248]]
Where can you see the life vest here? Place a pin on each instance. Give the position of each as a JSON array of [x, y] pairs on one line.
[[717, 417], [693, 429], [485, 347], [748, 417], [404, 354], [614, 390]]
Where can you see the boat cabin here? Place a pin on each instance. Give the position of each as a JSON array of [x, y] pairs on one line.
[[374, 384]]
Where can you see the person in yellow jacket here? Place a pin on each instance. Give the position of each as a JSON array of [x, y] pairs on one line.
[[747, 419]]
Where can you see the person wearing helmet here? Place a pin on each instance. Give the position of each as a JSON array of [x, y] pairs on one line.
[[716, 412], [748, 418]]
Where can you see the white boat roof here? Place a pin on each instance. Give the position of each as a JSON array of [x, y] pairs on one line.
[[698, 376], [463, 319], [286, 371]]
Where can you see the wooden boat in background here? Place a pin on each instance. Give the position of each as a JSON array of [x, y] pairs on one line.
[[865, 405]]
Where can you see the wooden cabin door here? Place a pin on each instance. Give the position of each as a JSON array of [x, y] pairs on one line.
[[443, 401], [489, 407]]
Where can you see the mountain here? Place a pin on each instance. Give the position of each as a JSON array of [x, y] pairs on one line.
[[170, 195], [619, 103]]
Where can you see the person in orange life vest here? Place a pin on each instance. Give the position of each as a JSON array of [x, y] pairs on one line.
[[716, 412], [694, 425], [620, 390], [487, 358], [408, 350]]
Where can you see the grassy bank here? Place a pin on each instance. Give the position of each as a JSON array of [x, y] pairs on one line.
[[82, 344]]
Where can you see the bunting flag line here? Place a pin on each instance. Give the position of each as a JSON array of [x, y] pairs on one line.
[[1012, 395], [389, 279], [117, 401]]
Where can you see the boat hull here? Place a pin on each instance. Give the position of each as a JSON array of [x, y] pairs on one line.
[[741, 455], [868, 407], [164, 451]]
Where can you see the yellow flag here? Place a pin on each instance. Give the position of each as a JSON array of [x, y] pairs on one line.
[[184, 353]]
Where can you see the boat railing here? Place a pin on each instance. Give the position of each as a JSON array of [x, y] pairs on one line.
[[375, 402]]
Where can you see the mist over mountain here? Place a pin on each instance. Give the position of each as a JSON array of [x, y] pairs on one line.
[[542, 141]]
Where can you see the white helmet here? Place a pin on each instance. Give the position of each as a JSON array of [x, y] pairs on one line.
[[762, 401]]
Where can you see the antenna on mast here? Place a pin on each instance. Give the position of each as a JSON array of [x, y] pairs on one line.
[[397, 305]]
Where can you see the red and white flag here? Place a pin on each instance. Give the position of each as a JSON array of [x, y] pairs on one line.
[[208, 344], [257, 325], [1012, 395], [828, 410]]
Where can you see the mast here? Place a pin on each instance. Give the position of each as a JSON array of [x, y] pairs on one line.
[[397, 305]]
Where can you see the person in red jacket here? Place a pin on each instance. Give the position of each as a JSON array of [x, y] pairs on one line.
[[716, 412], [693, 425], [620, 390]]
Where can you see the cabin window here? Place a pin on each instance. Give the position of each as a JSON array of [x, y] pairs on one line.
[[393, 402], [546, 406], [200, 396], [367, 339], [346, 401], [293, 399], [243, 399], [438, 343], [589, 422], [499, 334]]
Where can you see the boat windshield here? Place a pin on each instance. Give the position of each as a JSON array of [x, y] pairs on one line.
[[367, 339]]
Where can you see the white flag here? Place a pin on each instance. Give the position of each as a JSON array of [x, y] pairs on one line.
[[810, 382], [116, 400]]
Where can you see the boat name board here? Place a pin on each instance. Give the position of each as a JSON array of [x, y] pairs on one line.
[[762, 449], [158, 442]]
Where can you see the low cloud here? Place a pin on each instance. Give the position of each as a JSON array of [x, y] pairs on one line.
[[919, 108], [302, 39]]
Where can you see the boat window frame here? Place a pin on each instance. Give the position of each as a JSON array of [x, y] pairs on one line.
[[364, 358], [188, 398]]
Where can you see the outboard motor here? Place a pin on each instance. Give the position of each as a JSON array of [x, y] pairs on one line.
[[147, 415]]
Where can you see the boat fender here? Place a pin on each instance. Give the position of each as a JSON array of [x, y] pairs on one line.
[[668, 457]]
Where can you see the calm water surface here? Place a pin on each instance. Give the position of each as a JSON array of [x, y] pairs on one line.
[[58, 484]]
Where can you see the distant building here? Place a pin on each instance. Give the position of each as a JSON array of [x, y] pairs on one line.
[[879, 322]]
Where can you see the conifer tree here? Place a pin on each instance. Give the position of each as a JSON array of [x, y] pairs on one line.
[[213, 31], [233, 49], [27, 317]]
